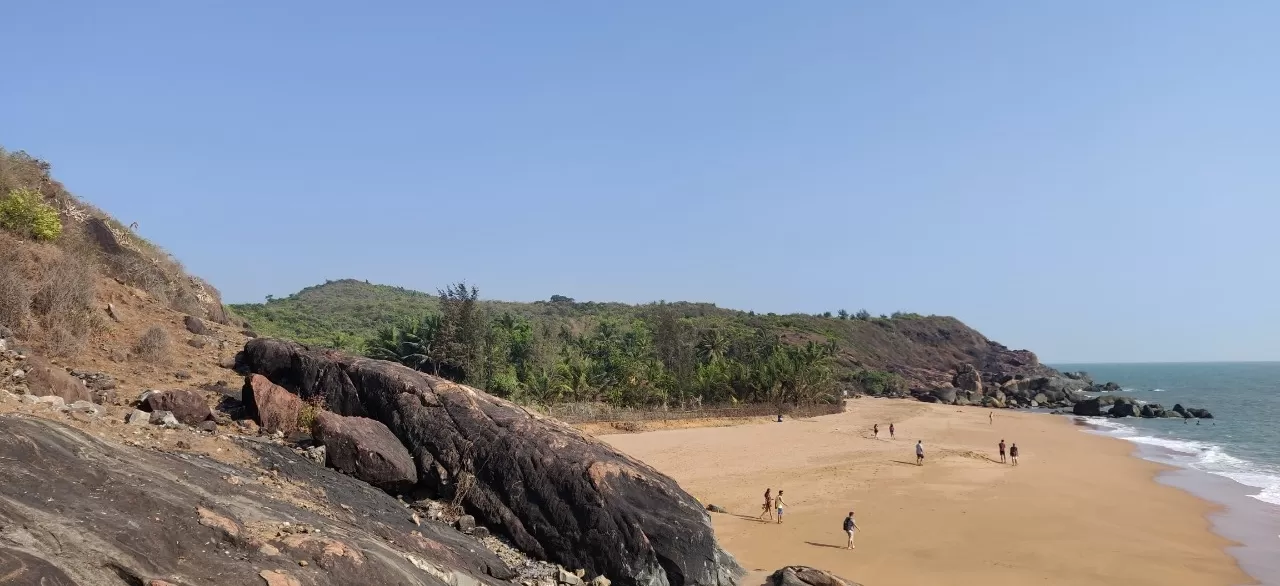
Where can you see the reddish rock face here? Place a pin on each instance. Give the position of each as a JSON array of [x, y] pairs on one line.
[[189, 407], [275, 408], [366, 449]]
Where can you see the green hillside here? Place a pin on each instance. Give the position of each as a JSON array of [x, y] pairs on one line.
[[562, 349]]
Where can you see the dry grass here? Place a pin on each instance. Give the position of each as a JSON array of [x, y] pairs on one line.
[[47, 295], [154, 346], [15, 290]]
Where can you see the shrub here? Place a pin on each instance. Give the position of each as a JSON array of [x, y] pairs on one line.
[[310, 413], [24, 212], [15, 294], [153, 346]]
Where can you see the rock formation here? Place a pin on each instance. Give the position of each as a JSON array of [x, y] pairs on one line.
[[556, 493], [188, 407], [806, 576], [366, 449], [78, 511]]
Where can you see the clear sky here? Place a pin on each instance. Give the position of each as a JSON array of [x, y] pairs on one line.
[[1092, 180]]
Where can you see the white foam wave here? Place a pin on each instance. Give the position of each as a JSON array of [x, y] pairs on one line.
[[1204, 457], [1157, 390]]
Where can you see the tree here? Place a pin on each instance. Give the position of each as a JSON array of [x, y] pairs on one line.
[[843, 314], [863, 315], [826, 314], [462, 334], [712, 345], [413, 344]]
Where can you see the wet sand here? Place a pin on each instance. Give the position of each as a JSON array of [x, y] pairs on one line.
[[1078, 510]]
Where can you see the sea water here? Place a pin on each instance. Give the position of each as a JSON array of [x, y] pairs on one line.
[[1239, 449]]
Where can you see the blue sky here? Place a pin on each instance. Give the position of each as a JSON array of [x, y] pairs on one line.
[[1095, 181]]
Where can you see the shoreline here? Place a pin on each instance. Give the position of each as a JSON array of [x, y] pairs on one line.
[[1251, 524], [1080, 509]]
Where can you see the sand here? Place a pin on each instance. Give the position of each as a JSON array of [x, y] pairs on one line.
[[1078, 510]]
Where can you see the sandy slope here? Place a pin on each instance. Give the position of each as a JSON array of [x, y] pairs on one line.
[[1078, 510]]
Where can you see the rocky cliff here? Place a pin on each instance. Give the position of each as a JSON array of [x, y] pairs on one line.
[[556, 493]]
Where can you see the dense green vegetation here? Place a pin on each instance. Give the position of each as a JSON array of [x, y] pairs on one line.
[[24, 212], [674, 354]]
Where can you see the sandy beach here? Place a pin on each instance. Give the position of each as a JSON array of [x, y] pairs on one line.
[[1078, 510]]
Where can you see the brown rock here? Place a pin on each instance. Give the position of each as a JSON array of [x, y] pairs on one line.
[[366, 449], [806, 576], [189, 407], [194, 325], [275, 408], [275, 578], [45, 379]]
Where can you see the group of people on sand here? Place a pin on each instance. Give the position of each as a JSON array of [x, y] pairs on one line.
[[772, 503], [1013, 453], [875, 430]]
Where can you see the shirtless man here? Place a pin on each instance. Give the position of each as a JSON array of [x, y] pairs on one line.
[[891, 432], [1013, 454], [1002, 460], [875, 430]]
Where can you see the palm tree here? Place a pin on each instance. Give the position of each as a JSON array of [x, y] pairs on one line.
[[712, 345], [411, 344]]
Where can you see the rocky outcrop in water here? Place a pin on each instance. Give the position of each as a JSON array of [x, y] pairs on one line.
[[78, 511], [556, 493]]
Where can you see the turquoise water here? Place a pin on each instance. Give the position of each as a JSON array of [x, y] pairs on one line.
[[1241, 443]]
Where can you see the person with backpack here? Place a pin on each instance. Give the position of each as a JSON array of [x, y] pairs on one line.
[[849, 527]]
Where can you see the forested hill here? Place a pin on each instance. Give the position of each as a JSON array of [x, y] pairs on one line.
[[562, 349]]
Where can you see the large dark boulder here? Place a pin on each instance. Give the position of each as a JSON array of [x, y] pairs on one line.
[[1152, 411], [806, 576], [1125, 408], [366, 449], [968, 378], [1199, 413], [1180, 410], [80, 511], [945, 396], [1089, 407], [189, 407], [556, 493]]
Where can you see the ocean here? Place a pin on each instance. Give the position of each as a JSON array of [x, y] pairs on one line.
[[1233, 459]]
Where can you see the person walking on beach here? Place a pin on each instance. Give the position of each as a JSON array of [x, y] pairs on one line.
[[1002, 460], [780, 504], [875, 430], [849, 527], [919, 453], [1013, 454], [768, 504], [991, 418], [891, 432]]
